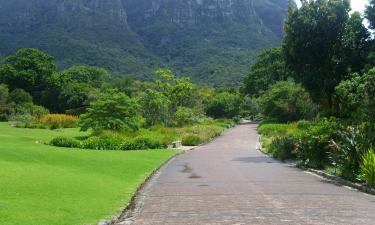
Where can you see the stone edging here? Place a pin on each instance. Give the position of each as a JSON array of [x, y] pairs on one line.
[[330, 177]]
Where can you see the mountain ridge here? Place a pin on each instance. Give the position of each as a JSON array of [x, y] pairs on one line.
[[213, 41]]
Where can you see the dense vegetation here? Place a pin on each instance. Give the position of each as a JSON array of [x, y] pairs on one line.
[[211, 41], [139, 115], [316, 92]]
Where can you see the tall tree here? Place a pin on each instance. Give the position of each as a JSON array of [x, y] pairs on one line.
[[370, 13], [30, 70], [267, 70], [323, 44]]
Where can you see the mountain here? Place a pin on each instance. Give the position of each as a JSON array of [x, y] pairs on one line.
[[213, 41]]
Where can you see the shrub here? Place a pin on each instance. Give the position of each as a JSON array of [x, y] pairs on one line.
[[348, 150], [368, 168], [19, 96], [224, 105], [54, 121], [112, 111], [283, 148], [286, 101], [98, 143], [65, 142], [313, 145], [187, 116], [141, 143], [21, 118], [192, 140], [30, 108]]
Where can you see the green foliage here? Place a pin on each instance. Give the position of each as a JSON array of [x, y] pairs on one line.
[[268, 69], [368, 167], [142, 143], [155, 107], [19, 96], [370, 13], [224, 105], [322, 44], [66, 142], [31, 109], [112, 111], [283, 148], [139, 143], [92, 76], [30, 70], [186, 117], [6, 108], [286, 101], [21, 118], [314, 144], [348, 150], [192, 140], [356, 97]]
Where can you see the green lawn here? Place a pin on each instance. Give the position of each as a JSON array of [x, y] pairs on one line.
[[41, 184]]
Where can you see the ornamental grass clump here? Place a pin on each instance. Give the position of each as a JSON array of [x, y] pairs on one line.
[[55, 121], [368, 168]]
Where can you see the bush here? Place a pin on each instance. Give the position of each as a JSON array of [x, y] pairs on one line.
[[192, 140], [283, 148], [112, 111], [224, 105], [19, 96], [98, 143], [30, 108], [314, 144], [65, 142], [21, 118], [287, 101], [368, 168], [141, 143], [348, 150]]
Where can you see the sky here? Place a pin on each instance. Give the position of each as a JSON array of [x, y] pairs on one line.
[[357, 5]]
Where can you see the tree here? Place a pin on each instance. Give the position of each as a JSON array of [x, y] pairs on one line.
[[19, 96], [355, 44], [93, 76], [224, 105], [267, 70], [75, 97], [357, 97], [112, 111], [180, 91], [6, 108], [370, 13], [286, 101], [155, 107], [322, 45], [30, 70]]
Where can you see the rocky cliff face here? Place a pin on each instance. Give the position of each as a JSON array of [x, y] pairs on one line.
[[211, 40]]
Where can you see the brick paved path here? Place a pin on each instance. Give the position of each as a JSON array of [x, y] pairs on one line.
[[229, 182]]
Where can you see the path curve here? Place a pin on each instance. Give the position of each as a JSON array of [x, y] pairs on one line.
[[229, 182]]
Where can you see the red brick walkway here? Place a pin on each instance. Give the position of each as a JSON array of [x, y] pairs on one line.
[[229, 182]]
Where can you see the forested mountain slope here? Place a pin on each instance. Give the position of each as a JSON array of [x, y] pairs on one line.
[[212, 41]]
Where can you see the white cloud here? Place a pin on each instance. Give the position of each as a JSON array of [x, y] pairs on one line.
[[359, 5]]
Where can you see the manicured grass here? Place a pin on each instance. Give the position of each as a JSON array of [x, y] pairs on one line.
[[41, 184]]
